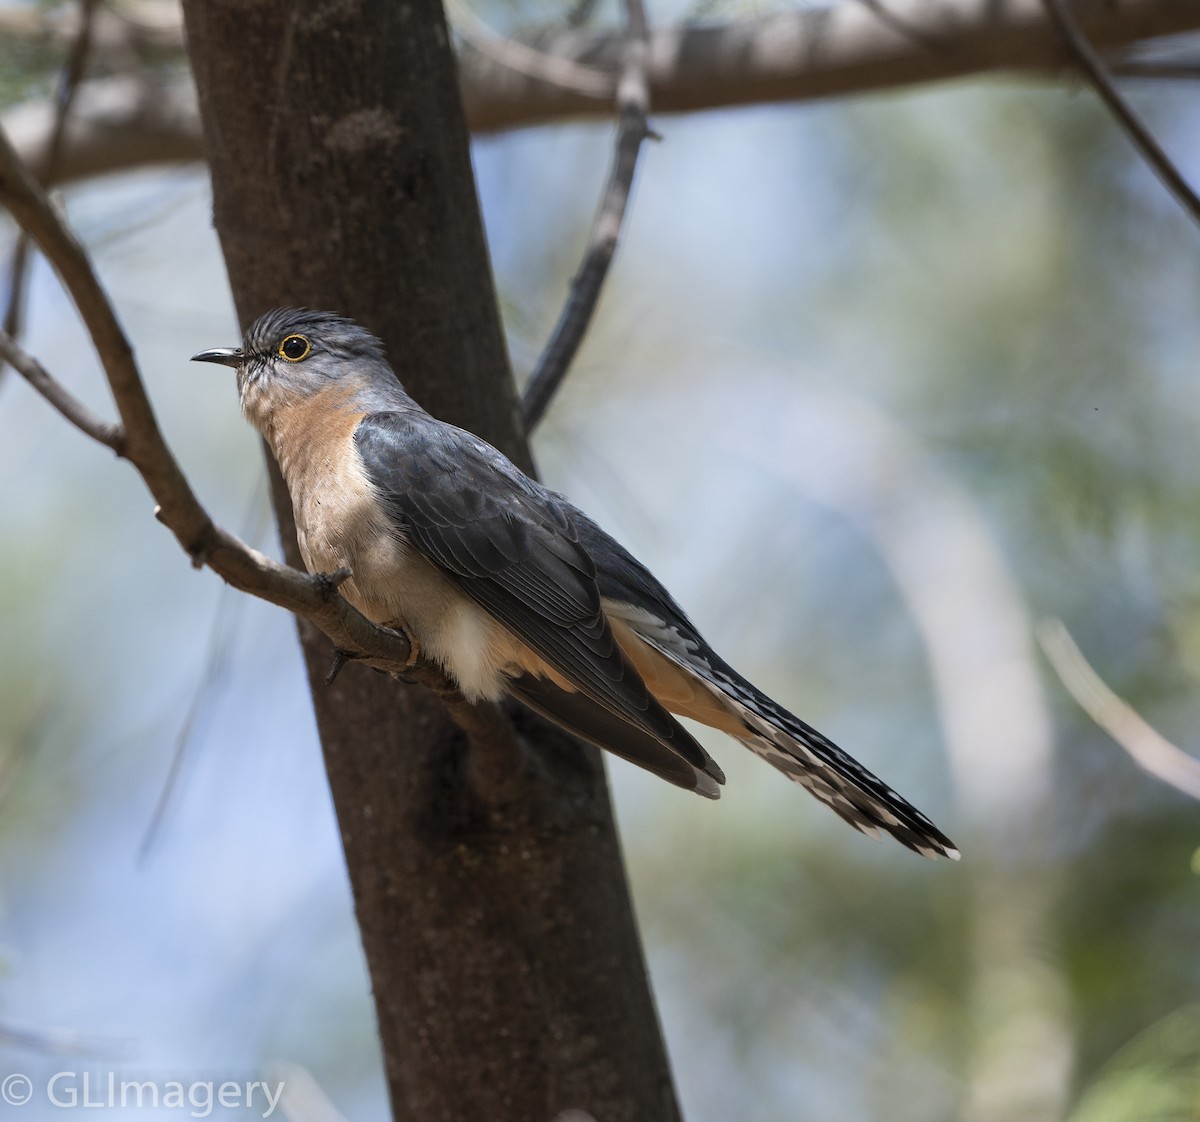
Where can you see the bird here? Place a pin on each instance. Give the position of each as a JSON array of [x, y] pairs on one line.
[[504, 583]]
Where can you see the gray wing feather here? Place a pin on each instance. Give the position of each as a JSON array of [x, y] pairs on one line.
[[583, 717], [513, 547]]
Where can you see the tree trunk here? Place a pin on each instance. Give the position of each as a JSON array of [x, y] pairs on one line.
[[506, 967]]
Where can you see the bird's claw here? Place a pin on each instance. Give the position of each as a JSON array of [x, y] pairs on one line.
[[414, 648], [414, 652], [340, 658]]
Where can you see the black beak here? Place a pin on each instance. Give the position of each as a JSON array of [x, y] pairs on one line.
[[226, 356]]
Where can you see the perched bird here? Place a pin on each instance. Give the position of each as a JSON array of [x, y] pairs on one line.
[[507, 585]]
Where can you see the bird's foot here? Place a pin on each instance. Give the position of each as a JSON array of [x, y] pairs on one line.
[[414, 648]]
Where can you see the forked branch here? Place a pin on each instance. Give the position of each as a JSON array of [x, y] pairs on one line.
[[138, 439], [108, 434]]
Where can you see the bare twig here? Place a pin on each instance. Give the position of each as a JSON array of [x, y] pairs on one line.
[[76, 64], [527, 60], [633, 105], [60, 397], [1150, 750], [1135, 128], [246, 569], [18, 276]]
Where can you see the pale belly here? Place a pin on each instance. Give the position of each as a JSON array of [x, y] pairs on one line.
[[394, 585]]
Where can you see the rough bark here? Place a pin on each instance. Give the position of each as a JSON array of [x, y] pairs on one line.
[[499, 937]]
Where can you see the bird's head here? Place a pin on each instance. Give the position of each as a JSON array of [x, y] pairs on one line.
[[290, 355]]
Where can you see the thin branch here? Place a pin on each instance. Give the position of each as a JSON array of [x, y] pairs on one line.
[[68, 86], [1150, 750], [633, 105], [1135, 128], [313, 596], [108, 434], [18, 277], [523, 59]]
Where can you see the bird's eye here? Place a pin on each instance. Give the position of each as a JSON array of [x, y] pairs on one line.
[[295, 348]]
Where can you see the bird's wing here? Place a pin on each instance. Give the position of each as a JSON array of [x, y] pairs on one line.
[[637, 602], [512, 546], [582, 716]]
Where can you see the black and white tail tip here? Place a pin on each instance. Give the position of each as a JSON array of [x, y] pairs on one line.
[[840, 782]]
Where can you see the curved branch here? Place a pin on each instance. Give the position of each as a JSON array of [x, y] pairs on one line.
[[524, 59], [314, 597], [1149, 749], [110, 435], [633, 105]]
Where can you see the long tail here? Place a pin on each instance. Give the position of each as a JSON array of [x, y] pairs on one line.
[[691, 679], [838, 780]]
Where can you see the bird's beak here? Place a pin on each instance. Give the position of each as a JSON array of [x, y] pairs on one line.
[[226, 356]]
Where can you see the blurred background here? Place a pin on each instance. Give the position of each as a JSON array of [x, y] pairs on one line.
[[875, 385]]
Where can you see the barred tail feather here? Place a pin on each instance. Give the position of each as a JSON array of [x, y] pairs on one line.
[[840, 782], [691, 679]]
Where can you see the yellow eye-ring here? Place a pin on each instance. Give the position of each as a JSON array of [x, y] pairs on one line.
[[295, 348]]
